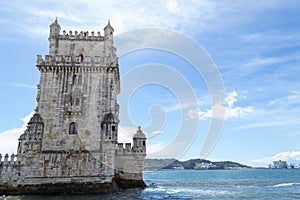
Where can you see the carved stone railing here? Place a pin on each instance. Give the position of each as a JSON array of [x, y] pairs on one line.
[[61, 60]]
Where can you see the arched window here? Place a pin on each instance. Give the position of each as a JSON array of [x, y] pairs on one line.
[[73, 128], [80, 58]]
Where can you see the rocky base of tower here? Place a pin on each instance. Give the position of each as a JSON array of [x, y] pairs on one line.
[[72, 188], [126, 184]]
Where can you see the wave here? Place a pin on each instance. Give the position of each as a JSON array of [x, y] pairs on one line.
[[206, 192], [286, 184]]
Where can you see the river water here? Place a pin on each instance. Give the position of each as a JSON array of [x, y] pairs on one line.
[[206, 184]]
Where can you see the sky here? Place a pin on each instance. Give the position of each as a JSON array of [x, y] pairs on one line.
[[252, 49]]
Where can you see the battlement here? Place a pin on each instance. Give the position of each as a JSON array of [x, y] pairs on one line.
[[12, 160], [85, 61], [80, 36], [128, 149], [9, 168]]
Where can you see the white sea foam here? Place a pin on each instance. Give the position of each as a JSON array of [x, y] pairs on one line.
[[286, 184], [206, 192]]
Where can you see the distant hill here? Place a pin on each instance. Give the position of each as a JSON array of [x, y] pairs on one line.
[[152, 164], [197, 164]]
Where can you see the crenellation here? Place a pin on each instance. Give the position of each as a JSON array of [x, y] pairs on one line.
[[120, 147], [6, 158], [12, 158], [128, 147], [82, 35]]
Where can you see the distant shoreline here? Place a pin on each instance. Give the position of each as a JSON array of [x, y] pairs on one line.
[[194, 164]]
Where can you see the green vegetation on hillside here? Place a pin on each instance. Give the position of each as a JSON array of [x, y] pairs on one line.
[[197, 164]]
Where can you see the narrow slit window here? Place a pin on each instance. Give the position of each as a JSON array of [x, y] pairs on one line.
[[79, 80], [77, 102], [74, 80]]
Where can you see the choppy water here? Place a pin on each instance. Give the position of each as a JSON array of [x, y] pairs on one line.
[[210, 184]]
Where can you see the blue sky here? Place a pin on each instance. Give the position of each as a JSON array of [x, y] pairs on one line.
[[255, 47]]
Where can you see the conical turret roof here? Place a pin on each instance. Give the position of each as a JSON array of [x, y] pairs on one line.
[[55, 23], [139, 134], [108, 26], [36, 118]]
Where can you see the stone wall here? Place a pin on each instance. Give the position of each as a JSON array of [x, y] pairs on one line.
[[62, 167]]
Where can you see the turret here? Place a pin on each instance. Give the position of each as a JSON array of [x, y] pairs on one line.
[[54, 29], [139, 141], [54, 37], [108, 31], [31, 140]]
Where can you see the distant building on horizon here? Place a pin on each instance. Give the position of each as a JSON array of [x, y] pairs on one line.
[[279, 165], [71, 142]]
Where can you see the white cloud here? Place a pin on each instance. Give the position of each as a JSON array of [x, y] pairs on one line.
[[25, 85], [190, 17], [172, 6], [9, 138], [289, 156], [292, 98], [124, 15], [153, 149], [217, 110], [181, 106], [125, 133], [197, 113], [157, 132], [275, 120], [231, 99]]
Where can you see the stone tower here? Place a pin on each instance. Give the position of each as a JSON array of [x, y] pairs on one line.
[[72, 139]]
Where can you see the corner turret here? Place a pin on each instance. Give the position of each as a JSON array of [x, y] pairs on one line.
[[139, 141], [108, 31], [54, 37], [31, 139], [54, 29]]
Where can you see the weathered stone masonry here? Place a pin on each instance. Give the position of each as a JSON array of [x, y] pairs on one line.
[[72, 139]]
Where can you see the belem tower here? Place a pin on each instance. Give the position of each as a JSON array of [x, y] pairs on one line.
[[71, 142]]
